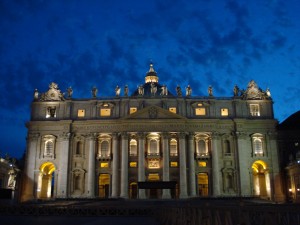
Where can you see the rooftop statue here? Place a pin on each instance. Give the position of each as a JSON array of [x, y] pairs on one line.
[[94, 92], [36, 95], [188, 91], [141, 90], [210, 91], [164, 90], [236, 90], [178, 91], [118, 90], [153, 89], [70, 92], [126, 90]]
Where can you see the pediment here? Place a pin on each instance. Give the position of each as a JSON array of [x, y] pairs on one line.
[[154, 112]]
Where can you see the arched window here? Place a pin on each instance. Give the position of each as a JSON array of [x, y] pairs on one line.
[[79, 148], [173, 147], [153, 147], [257, 145], [104, 149], [227, 150], [49, 147], [133, 147], [201, 148]]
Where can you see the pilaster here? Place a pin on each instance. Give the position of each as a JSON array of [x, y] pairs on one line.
[[63, 149], [29, 178]]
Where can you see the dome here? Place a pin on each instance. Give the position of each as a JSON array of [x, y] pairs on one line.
[[291, 123], [151, 87]]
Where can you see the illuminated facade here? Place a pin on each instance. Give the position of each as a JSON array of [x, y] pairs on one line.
[[106, 147]]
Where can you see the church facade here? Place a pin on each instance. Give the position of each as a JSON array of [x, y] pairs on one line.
[[152, 144]]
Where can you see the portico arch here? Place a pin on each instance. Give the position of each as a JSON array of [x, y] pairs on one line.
[[46, 180], [261, 179]]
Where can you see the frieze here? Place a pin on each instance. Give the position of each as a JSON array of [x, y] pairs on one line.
[[147, 127]]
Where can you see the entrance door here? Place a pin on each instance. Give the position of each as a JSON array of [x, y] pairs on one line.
[[46, 181], [104, 184], [261, 180], [202, 184]]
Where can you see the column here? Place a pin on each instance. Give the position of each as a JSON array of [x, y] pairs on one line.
[[115, 166], [63, 150], [182, 166], [244, 152], [166, 164], [141, 163], [191, 155], [275, 175], [29, 181], [216, 145], [91, 166], [124, 166]]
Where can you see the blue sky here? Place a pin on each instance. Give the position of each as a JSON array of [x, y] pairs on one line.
[[107, 43]]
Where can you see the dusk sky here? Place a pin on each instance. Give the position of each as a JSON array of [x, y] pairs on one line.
[[107, 43]]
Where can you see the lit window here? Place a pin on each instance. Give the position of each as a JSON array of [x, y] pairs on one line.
[[153, 176], [104, 165], [132, 110], [51, 112], [201, 164], [200, 104], [81, 113], [200, 111], [173, 147], [49, 147], [104, 149], [133, 147], [153, 147], [201, 148], [153, 164], [258, 144], [172, 109], [254, 110], [224, 112], [133, 164], [174, 164], [104, 112]]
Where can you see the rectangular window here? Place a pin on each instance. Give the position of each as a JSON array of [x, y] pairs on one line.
[[81, 113], [133, 164], [254, 110], [132, 110], [172, 109], [51, 112], [173, 164], [200, 112], [104, 112], [104, 165], [224, 112], [201, 164], [153, 177]]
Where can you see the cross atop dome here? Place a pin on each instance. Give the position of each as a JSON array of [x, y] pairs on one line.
[[151, 75]]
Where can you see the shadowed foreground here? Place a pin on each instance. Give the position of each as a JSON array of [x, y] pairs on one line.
[[166, 212]]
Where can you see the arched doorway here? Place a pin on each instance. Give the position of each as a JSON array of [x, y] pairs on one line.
[[261, 180], [46, 181], [104, 184]]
